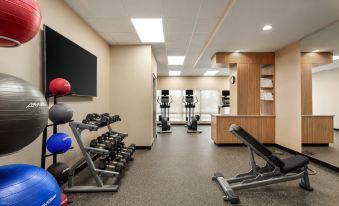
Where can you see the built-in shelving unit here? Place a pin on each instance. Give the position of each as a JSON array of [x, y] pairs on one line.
[[267, 89]]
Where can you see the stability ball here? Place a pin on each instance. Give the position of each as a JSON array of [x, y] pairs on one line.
[[59, 86], [20, 21], [60, 113], [23, 113], [24, 185], [59, 143], [60, 172]]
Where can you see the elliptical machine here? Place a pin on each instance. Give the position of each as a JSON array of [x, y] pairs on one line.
[[191, 120], [225, 99], [165, 104]]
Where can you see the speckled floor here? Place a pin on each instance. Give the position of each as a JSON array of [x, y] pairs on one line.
[[178, 170], [328, 154]]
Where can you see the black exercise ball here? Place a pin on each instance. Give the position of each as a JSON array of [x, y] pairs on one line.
[[23, 113], [60, 172], [60, 113]]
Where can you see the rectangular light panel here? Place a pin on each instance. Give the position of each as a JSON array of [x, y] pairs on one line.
[[211, 73], [149, 30], [176, 60], [174, 73]]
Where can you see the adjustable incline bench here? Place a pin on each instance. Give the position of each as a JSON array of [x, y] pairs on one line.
[[275, 171]]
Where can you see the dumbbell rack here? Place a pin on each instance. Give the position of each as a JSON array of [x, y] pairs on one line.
[[44, 134], [77, 129]]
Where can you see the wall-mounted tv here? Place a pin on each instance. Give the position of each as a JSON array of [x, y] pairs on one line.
[[65, 59]]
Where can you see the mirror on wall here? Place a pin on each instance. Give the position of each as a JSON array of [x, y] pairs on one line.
[[321, 138], [209, 102]]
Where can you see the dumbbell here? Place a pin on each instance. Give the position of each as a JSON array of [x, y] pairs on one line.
[[117, 166], [96, 119], [98, 143], [104, 145], [131, 147], [116, 118], [111, 119], [105, 163]]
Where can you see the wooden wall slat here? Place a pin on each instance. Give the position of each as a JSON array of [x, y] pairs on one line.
[[261, 127]]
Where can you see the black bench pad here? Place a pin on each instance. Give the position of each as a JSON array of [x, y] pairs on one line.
[[295, 163]]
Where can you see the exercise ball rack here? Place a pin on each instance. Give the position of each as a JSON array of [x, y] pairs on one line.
[[44, 154]]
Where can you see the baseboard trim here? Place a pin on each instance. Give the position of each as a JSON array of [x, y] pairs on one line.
[[183, 123], [336, 129], [237, 144], [144, 147], [316, 145], [312, 159]]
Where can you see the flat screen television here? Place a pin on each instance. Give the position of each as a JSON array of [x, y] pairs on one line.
[[65, 59]]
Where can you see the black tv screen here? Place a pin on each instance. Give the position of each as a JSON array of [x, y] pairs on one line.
[[65, 59]]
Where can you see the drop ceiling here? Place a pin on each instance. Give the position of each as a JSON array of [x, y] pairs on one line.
[[189, 23]]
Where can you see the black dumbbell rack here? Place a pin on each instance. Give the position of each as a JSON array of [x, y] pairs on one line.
[[44, 134], [77, 129]]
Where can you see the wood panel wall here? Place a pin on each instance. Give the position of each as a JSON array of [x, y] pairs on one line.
[[233, 90], [316, 57], [260, 127], [248, 89], [306, 89], [317, 129], [223, 58]]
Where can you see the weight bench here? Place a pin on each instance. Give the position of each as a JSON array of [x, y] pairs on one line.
[[275, 171]]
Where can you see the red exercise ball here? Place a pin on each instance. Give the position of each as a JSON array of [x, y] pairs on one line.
[[59, 86], [19, 21], [64, 199]]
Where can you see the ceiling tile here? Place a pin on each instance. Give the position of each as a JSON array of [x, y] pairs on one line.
[[206, 25], [181, 8], [176, 51], [143, 8], [213, 8], [108, 37], [120, 25], [126, 38], [178, 37], [177, 25], [103, 8]]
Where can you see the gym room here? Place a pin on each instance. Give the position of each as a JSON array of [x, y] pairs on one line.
[[169, 102]]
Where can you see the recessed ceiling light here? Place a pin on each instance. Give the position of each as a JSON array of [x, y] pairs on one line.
[[174, 73], [317, 50], [211, 73], [176, 60], [267, 27], [149, 30], [237, 51], [335, 58]]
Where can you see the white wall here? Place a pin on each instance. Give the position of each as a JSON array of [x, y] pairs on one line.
[[26, 62], [197, 83], [132, 91], [325, 94], [288, 97]]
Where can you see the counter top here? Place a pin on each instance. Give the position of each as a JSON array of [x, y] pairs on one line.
[[317, 115], [240, 116]]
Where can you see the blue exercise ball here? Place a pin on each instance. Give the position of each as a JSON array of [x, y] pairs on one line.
[[23, 185], [59, 143], [23, 113]]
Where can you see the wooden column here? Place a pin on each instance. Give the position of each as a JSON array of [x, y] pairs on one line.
[[245, 67], [306, 89]]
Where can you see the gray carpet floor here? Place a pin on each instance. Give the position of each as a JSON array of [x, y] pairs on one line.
[[178, 170], [328, 154]]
